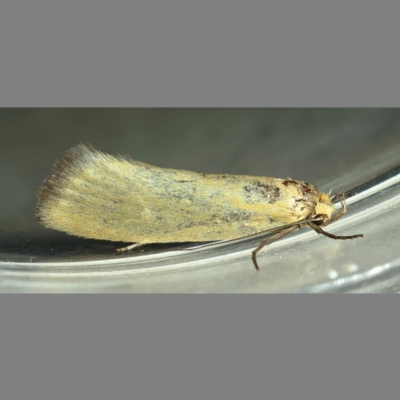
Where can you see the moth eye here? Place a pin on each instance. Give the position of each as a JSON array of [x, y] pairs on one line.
[[321, 218]]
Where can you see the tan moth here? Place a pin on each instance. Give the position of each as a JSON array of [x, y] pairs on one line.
[[95, 195]]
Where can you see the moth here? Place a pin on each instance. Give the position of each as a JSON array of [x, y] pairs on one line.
[[99, 196]]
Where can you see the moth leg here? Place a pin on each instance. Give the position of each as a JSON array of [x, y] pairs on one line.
[[319, 230], [337, 216], [130, 247], [284, 232]]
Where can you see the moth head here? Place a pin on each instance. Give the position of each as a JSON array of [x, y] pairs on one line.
[[324, 208]]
